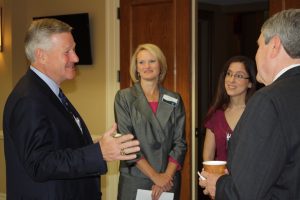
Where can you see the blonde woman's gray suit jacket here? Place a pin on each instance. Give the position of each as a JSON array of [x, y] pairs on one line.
[[160, 135]]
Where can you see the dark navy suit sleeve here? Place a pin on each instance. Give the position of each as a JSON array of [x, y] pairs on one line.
[[51, 148], [256, 153]]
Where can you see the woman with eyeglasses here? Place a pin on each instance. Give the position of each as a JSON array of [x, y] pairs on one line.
[[237, 83]]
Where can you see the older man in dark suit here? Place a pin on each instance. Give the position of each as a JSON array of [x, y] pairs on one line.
[[48, 149], [264, 154]]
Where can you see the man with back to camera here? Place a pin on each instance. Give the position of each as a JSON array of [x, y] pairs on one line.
[[264, 152], [48, 149]]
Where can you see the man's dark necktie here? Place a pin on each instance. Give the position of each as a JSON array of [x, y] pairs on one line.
[[65, 102]]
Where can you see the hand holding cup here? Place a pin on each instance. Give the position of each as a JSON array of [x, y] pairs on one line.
[[215, 166]]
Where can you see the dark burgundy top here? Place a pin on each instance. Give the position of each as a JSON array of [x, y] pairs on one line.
[[219, 126]]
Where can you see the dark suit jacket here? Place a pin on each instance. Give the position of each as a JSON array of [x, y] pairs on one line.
[[47, 156], [264, 151], [160, 135]]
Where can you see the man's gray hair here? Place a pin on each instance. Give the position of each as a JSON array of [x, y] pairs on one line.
[[286, 25], [39, 35]]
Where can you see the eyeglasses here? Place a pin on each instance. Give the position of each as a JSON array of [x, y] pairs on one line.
[[237, 75]]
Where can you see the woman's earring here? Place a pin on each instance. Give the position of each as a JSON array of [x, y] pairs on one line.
[[138, 75], [160, 76], [250, 85]]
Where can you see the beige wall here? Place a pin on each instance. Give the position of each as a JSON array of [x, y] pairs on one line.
[[88, 92], [90, 82]]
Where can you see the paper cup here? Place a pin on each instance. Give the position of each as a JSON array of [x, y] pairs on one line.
[[214, 166]]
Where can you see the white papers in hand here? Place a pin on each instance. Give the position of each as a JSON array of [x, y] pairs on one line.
[[146, 195]]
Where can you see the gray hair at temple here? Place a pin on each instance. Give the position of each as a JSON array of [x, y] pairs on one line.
[[286, 25], [39, 35]]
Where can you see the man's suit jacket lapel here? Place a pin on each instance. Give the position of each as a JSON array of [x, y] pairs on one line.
[[84, 132], [54, 99]]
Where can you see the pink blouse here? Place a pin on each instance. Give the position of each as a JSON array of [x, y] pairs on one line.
[[154, 106]]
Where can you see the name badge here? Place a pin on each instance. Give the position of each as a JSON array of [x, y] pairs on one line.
[[169, 100]]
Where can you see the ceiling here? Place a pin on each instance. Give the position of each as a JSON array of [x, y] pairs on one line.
[[230, 2]]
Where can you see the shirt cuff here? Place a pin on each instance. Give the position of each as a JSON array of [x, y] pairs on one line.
[[175, 162], [141, 158]]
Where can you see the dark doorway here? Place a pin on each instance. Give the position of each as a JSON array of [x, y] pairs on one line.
[[224, 30]]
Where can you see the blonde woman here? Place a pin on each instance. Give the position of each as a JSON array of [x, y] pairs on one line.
[[156, 117]]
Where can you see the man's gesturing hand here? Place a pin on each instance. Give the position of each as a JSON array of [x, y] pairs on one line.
[[118, 148]]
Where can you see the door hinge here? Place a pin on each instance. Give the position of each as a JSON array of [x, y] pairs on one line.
[[118, 13], [118, 76]]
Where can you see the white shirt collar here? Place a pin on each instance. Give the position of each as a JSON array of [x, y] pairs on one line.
[[284, 70]]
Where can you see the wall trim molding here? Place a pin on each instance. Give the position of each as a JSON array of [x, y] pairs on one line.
[[2, 196], [109, 181]]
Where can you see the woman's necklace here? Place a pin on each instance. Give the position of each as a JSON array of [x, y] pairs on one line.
[[152, 97]]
